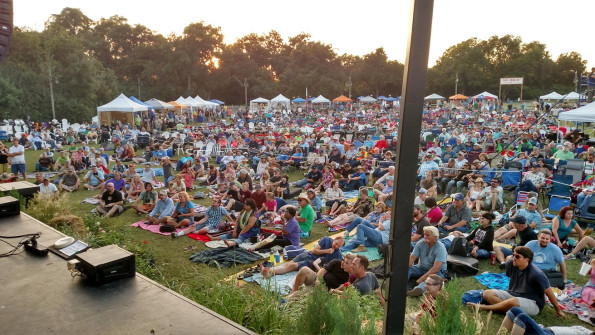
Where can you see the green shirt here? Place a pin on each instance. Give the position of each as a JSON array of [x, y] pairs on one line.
[[307, 213], [148, 197]]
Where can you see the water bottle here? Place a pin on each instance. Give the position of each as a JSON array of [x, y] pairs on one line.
[[277, 257], [272, 258]]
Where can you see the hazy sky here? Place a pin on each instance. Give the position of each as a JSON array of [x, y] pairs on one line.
[[354, 27]]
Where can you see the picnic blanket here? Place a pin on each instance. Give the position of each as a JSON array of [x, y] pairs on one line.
[[570, 300], [496, 281], [371, 252], [281, 284], [225, 257], [90, 200], [158, 171], [153, 228], [47, 174], [338, 227]]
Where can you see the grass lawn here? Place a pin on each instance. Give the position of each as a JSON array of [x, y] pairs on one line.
[[173, 269]]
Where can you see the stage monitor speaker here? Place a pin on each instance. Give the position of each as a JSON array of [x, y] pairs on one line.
[[9, 206], [5, 27]]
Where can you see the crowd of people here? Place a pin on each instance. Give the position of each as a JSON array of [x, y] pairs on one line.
[[243, 165]]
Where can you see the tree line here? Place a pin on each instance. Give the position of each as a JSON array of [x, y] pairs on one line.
[[88, 63]]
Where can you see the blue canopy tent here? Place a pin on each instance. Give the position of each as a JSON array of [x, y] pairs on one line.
[[382, 97], [298, 100], [218, 102], [149, 107]]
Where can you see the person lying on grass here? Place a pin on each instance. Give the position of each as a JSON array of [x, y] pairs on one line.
[[327, 247]]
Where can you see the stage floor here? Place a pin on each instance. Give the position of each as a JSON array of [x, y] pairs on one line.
[[39, 296]]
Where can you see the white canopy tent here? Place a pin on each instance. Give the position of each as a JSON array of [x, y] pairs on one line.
[[551, 96], [581, 114], [434, 96], [575, 96], [485, 94], [321, 100], [367, 99], [205, 104], [258, 103], [281, 100], [121, 109], [193, 102]]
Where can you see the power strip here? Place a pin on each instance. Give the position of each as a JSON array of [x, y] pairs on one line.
[[36, 249]]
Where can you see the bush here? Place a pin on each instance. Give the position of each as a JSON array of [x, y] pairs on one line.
[[46, 209], [451, 316]]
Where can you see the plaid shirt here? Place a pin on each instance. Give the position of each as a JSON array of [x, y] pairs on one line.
[[215, 216]]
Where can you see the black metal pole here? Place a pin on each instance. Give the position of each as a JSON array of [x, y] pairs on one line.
[[414, 80]]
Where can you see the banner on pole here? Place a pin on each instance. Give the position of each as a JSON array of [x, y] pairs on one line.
[[511, 81]]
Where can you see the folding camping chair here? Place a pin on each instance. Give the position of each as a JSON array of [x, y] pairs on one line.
[[575, 168], [559, 194]]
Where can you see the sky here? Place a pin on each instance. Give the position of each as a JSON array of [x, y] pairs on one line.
[[350, 26]]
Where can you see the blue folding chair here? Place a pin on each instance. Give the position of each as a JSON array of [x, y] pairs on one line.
[[559, 194], [510, 179], [555, 205]]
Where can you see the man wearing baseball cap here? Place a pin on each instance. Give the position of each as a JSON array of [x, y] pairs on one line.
[[456, 217], [523, 235], [533, 180]]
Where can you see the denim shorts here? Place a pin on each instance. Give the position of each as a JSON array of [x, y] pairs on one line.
[[18, 168]]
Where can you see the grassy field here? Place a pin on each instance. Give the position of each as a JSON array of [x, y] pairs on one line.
[[170, 265]]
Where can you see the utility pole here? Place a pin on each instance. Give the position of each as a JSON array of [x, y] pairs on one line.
[[51, 79], [414, 81], [457, 83], [246, 91], [576, 82], [138, 81], [349, 83]]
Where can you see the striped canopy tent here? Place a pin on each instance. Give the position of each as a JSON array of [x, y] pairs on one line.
[[178, 105]]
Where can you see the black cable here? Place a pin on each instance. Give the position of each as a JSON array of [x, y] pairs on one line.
[[24, 235], [15, 248]]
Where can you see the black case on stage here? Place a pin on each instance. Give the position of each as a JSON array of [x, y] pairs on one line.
[[106, 264], [9, 206]]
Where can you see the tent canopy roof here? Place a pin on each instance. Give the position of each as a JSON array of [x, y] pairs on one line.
[[575, 96], [582, 114], [320, 99], [122, 104], [259, 100], [367, 99], [458, 97], [341, 98], [279, 99], [551, 96], [484, 95], [434, 96], [158, 104], [298, 100]]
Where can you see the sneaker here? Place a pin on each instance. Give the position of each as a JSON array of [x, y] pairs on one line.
[[570, 256], [173, 235], [502, 266], [416, 292], [360, 248], [346, 234]]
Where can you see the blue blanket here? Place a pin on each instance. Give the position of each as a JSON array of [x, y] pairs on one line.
[[495, 281], [278, 283]]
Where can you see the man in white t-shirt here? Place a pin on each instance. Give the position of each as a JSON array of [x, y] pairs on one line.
[[17, 162], [48, 190]]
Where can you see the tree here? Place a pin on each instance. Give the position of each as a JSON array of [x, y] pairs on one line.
[[567, 65]]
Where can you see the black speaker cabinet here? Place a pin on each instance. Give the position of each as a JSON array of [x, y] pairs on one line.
[[9, 206]]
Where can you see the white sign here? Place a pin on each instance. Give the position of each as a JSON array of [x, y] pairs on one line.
[[511, 81]]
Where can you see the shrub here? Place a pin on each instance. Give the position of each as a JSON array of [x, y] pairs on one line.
[[451, 316], [68, 224], [46, 209]]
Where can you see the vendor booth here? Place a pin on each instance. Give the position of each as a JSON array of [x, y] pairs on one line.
[[120, 109]]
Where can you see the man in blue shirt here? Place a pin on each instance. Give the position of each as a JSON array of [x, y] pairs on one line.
[[427, 164], [547, 255], [527, 288], [432, 260], [327, 247], [367, 235], [213, 218], [164, 207]]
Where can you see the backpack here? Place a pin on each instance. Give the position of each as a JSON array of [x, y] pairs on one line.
[[167, 228], [458, 266], [458, 247]]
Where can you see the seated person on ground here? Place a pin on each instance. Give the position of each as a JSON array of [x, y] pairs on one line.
[[481, 238], [111, 201], [183, 214], [526, 289], [531, 215], [523, 235], [491, 197], [164, 207], [547, 256], [94, 179], [145, 202], [246, 227], [70, 181], [370, 235], [456, 217], [362, 207], [365, 282], [432, 258], [213, 218], [290, 230], [334, 273]]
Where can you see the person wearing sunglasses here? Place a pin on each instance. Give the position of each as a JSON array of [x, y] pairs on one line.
[[527, 288]]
